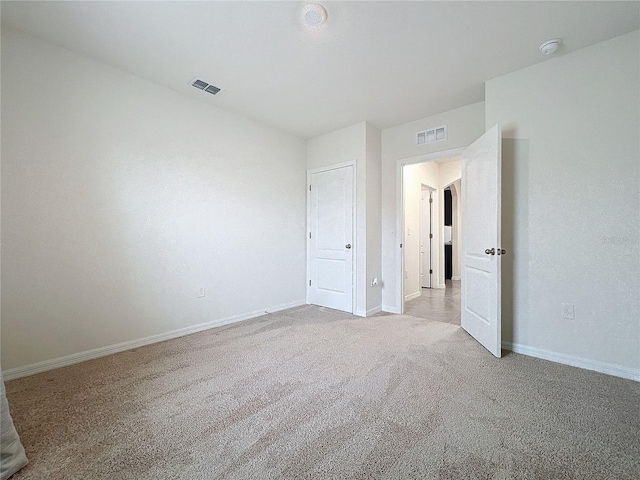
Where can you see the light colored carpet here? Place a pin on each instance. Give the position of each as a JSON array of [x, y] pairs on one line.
[[314, 393]]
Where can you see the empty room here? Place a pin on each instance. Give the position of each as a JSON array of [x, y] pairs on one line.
[[371, 239]]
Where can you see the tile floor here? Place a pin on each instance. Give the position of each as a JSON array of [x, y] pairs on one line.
[[441, 305]]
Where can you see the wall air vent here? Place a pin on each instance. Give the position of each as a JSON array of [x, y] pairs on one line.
[[437, 134], [202, 85]]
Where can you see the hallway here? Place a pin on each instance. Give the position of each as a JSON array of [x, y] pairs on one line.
[[440, 305]]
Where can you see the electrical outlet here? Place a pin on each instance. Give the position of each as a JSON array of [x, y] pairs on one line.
[[568, 311], [201, 292]]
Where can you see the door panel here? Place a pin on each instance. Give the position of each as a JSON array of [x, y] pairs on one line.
[[330, 243], [331, 273], [481, 187]]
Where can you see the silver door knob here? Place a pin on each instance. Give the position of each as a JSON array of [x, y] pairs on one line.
[[347, 246], [490, 251]]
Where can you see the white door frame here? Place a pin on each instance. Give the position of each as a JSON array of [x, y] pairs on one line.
[[354, 243], [400, 240], [425, 188], [456, 232]]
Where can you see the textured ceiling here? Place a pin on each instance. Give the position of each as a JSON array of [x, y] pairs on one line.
[[384, 62]]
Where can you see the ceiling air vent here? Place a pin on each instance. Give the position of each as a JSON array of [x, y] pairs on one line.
[[437, 134], [202, 85]]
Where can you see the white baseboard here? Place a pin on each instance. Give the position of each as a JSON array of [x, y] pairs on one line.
[[456, 278], [601, 367], [413, 295], [394, 309], [374, 310], [442, 285], [39, 367], [367, 313]]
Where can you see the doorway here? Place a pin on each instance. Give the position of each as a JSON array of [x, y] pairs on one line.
[[481, 251], [453, 230], [428, 292]]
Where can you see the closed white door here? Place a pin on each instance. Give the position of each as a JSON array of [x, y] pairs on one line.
[[481, 250], [330, 261], [425, 240]]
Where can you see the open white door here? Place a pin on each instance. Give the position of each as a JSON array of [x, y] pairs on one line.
[[481, 250], [330, 261]]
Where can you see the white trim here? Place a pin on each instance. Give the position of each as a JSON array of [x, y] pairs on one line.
[[394, 309], [456, 278], [354, 243], [335, 166], [18, 372], [608, 368], [411, 296], [454, 152], [441, 286], [374, 310]]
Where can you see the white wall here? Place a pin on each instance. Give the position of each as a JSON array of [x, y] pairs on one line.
[[449, 172], [465, 125], [121, 199], [374, 218], [413, 177], [345, 145], [571, 205]]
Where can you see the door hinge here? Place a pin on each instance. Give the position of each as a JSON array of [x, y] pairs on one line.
[[400, 245], [309, 187], [309, 234], [309, 282], [430, 200], [431, 235], [430, 271]]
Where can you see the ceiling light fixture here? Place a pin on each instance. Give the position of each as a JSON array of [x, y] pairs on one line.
[[313, 15], [550, 46]]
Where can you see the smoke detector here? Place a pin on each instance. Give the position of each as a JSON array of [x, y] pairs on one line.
[[550, 46], [313, 15]]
